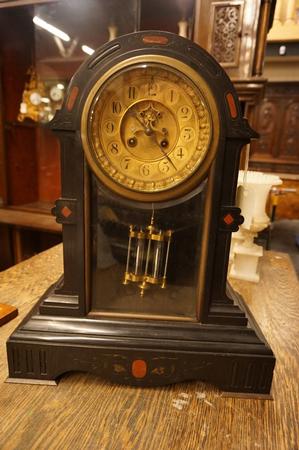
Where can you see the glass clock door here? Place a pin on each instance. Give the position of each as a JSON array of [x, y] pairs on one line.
[[145, 261]]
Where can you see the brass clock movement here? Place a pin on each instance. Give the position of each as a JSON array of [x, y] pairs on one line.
[[151, 132]]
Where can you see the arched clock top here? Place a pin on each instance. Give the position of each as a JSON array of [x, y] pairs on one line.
[[154, 43]]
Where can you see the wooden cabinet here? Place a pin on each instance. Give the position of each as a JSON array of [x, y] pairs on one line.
[[276, 118], [29, 152], [234, 32], [227, 29]]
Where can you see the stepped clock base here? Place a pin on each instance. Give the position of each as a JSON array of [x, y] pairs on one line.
[[233, 358], [251, 374]]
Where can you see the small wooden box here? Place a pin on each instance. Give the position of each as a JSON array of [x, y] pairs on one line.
[[7, 313]]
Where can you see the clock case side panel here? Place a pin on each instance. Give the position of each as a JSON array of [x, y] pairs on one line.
[[220, 304], [68, 295]]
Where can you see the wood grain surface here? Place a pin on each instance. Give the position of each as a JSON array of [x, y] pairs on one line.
[[83, 412], [29, 219]]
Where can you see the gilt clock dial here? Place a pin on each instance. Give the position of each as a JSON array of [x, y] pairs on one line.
[[147, 130], [35, 98]]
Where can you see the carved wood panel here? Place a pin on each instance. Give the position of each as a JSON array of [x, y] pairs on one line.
[[289, 147], [226, 28], [276, 119], [266, 120], [231, 32]]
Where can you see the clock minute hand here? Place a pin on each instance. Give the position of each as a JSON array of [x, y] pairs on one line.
[[154, 137]]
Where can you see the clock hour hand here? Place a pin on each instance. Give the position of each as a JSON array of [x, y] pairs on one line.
[[147, 130]]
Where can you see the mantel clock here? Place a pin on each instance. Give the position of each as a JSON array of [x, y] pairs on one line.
[[151, 132]]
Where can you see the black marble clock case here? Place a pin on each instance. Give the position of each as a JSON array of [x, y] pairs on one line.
[[224, 346]]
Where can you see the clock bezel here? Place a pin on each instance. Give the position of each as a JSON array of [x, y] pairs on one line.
[[185, 186]]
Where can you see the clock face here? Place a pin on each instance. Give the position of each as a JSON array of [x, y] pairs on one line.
[[56, 94], [149, 129], [35, 98]]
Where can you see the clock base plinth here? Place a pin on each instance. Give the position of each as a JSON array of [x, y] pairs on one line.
[[233, 358]]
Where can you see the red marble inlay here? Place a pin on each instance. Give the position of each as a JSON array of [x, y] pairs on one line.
[[66, 211], [228, 219], [155, 39], [139, 368], [232, 105], [72, 98]]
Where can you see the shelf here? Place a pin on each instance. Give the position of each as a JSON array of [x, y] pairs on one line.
[[28, 216], [282, 59], [25, 124]]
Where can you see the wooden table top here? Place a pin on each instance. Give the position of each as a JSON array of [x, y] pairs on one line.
[[84, 412]]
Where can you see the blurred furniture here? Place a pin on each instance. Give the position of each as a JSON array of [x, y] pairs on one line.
[[235, 32], [285, 24], [276, 119], [288, 205], [86, 412], [36, 66], [22, 221]]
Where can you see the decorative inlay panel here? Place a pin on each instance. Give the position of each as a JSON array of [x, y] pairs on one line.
[[226, 32], [230, 218]]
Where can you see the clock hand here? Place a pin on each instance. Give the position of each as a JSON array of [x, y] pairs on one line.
[[154, 138], [148, 130]]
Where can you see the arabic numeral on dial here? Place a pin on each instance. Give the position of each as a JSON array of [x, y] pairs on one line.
[[188, 134], [125, 163], [114, 148], [164, 166], [116, 107], [180, 153], [185, 112], [109, 127], [145, 170]]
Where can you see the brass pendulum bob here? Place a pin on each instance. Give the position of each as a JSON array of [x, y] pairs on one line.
[[147, 256]]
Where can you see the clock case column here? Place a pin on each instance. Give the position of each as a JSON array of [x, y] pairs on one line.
[[225, 346]]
